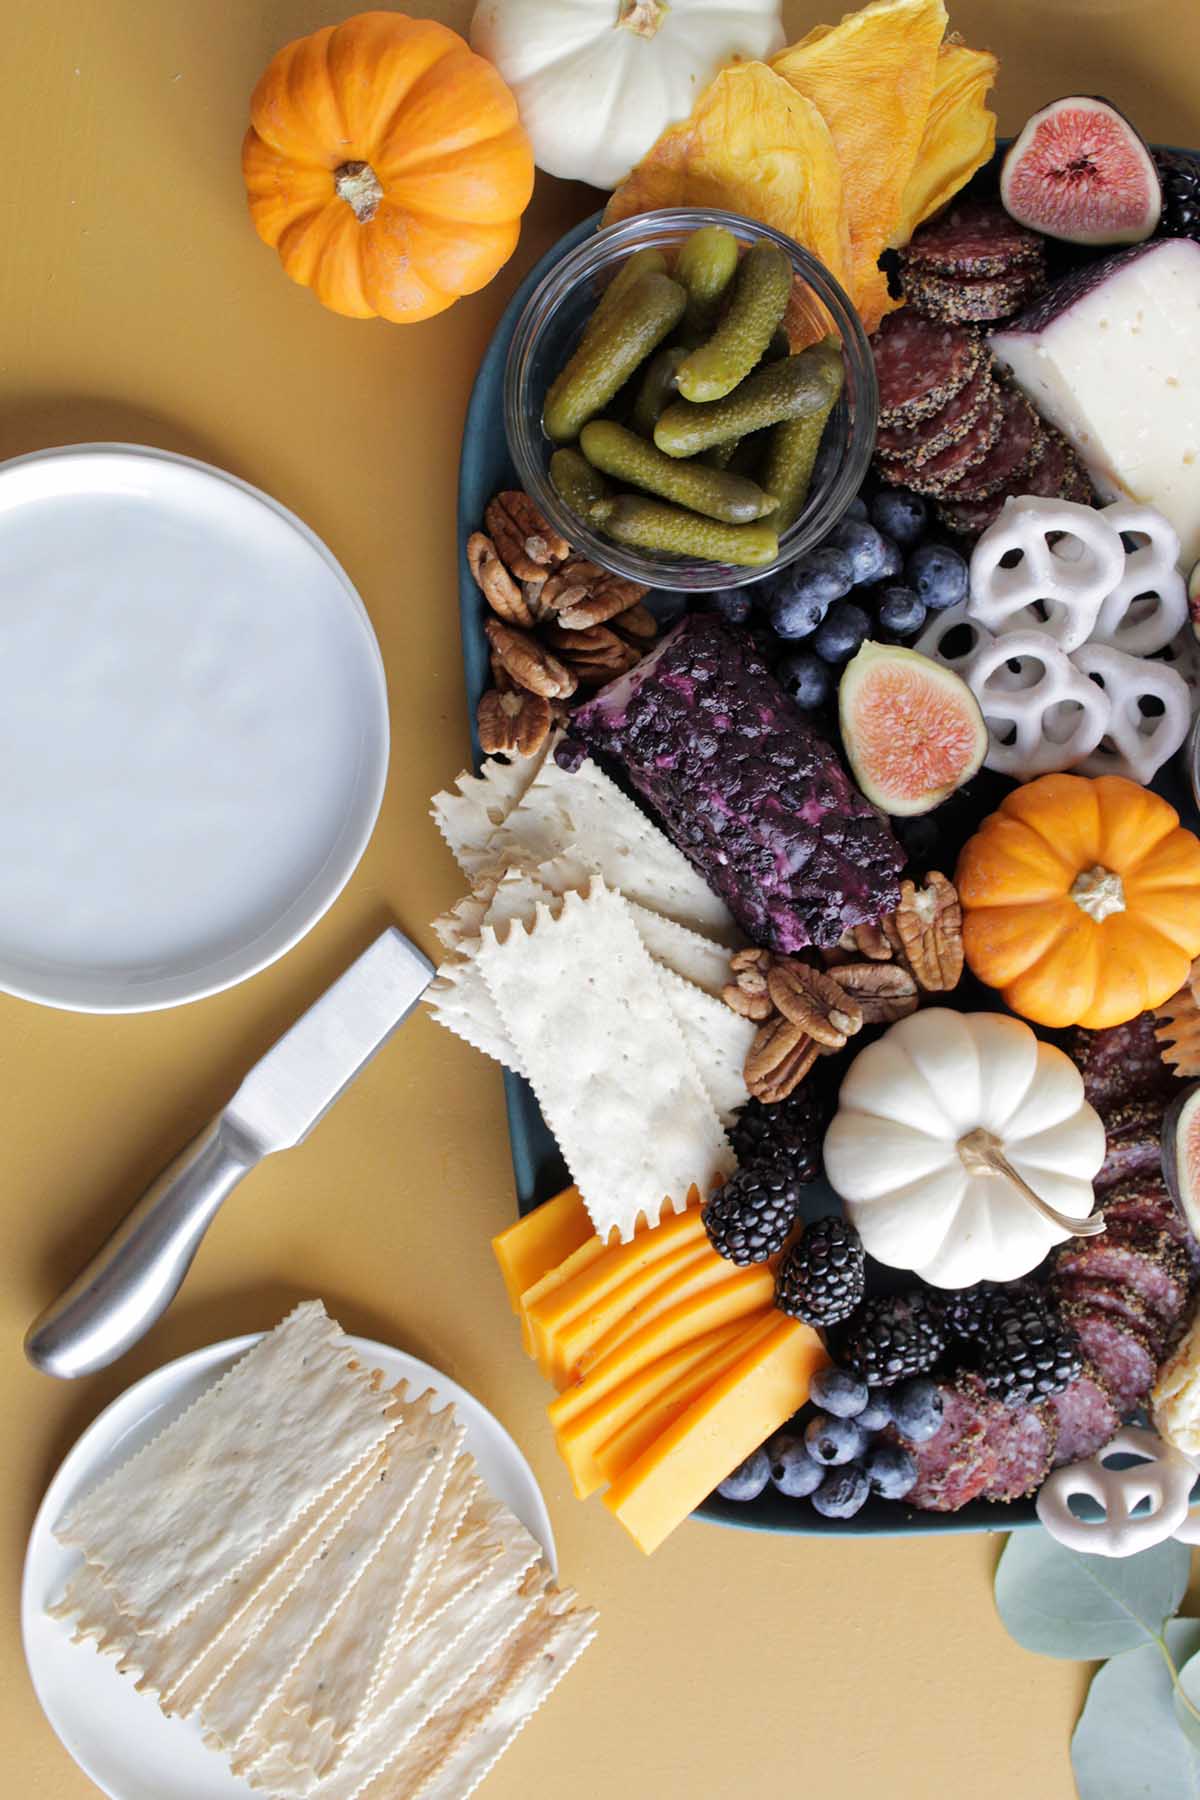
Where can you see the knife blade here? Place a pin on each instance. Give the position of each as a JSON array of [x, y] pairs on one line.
[[133, 1278]]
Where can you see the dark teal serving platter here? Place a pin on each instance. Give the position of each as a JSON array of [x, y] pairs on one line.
[[485, 468]]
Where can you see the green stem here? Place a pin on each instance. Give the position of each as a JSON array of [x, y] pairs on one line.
[[1173, 1672]]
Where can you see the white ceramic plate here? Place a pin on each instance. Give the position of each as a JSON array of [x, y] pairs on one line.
[[116, 1735], [193, 728]]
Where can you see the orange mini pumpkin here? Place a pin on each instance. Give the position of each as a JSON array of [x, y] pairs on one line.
[[1081, 900], [386, 164]]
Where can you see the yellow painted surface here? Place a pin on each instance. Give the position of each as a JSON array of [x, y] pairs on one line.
[[136, 303]]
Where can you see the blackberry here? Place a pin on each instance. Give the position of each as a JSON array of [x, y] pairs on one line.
[[1180, 175], [968, 1312], [822, 1280], [893, 1337], [748, 1219], [785, 1136], [1027, 1352]]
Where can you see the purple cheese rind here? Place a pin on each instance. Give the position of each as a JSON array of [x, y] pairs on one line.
[[1064, 293], [751, 794]]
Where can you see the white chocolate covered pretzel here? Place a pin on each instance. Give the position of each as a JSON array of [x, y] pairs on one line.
[[1135, 743], [1045, 565], [1042, 713], [1163, 1476], [1148, 605]]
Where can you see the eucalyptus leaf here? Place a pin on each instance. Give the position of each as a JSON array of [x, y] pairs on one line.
[[1188, 1690], [1127, 1745], [1060, 1603]]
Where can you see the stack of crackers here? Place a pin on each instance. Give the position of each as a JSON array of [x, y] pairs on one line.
[[312, 1568], [589, 957]]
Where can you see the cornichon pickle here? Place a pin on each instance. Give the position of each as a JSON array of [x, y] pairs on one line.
[[756, 306], [791, 456], [706, 265], [783, 390], [630, 458], [634, 325], [576, 482], [657, 389], [653, 525], [721, 455], [642, 262]]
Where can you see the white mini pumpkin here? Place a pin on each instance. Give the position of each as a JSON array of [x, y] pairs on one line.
[[596, 81], [903, 1148]]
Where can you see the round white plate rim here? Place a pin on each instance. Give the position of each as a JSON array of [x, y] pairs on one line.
[[177, 991], [130, 1409]]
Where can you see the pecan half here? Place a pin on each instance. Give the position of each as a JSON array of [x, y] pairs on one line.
[[529, 545], [637, 623], [778, 1060], [747, 993], [928, 922], [815, 1002], [529, 662], [883, 992], [595, 655], [494, 581], [581, 593], [512, 723]]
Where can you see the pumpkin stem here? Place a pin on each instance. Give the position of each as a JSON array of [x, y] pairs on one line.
[[360, 187], [642, 16], [982, 1153], [1099, 891]]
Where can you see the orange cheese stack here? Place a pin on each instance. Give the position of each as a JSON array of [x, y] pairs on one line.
[[672, 1365]]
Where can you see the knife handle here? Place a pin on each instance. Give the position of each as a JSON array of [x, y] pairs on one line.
[[133, 1278]]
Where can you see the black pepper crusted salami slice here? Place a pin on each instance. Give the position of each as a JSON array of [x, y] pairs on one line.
[[973, 237], [956, 1464], [1123, 1355], [1146, 1261], [1133, 1132], [1016, 447], [972, 299], [970, 518], [950, 466], [1090, 1294], [918, 443], [1142, 1201], [1086, 1416], [1023, 1440], [921, 365], [1120, 1063]]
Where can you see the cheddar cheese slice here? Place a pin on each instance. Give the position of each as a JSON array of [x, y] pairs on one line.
[[704, 1270], [718, 1431], [540, 1242], [572, 1346], [746, 1291], [589, 1252]]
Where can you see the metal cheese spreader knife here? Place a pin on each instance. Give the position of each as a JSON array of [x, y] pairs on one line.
[[132, 1280]]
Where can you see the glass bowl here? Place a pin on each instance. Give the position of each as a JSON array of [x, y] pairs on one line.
[[550, 326]]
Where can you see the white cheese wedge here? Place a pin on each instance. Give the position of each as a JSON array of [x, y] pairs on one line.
[[1112, 357]]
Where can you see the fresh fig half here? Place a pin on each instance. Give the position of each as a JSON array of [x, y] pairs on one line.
[[912, 729], [1080, 171], [1194, 599], [1181, 1155]]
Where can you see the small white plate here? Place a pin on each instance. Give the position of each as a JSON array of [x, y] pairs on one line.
[[116, 1735], [193, 728]]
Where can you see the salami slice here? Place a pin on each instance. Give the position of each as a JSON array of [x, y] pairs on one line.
[[1023, 1440], [1133, 1130], [1090, 1294], [972, 299], [969, 518], [1121, 1063], [1123, 1354], [916, 444], [1015, 448], [974, 237], [956, 1464], [941, 472], [1146, 1261], [1142, 1201], [1086, 1416], [921, 365]]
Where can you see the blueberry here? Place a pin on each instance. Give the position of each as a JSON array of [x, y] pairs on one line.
[[901, 612], [890, 1471], [838, 1392], [900, 513], [857, 508], [877, 1412], [831, 1440], [841, 632], [793, 1470], [570, 755], [734, 605], [893, 559], [815, 579], [842, 1493], [917, 1409], [748, 1479], [806, 678], [863, 545], [939, 575]]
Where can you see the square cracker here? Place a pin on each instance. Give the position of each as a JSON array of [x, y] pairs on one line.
[[580, 997], [230, 1475]]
